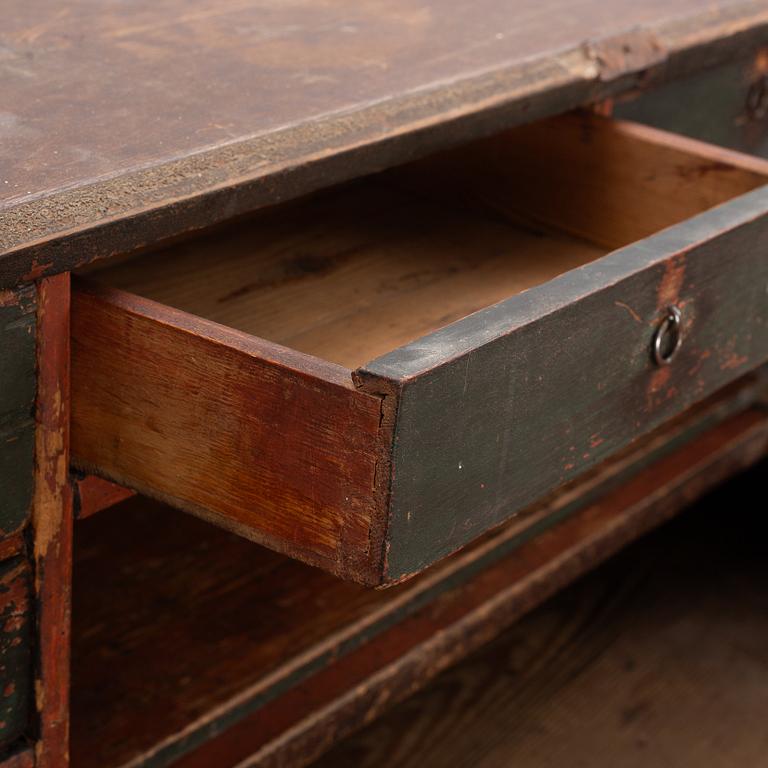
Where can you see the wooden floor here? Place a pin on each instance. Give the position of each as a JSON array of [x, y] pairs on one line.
[[658, 658]]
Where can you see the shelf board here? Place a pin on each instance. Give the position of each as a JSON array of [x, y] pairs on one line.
[[660, 657], [183, 633]]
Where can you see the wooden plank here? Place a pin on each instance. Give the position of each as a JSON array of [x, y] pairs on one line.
[[156, 589], [52, 523], [658, 658], [267, 442], [307, 721], [499, 408], [16, 642], [92, 494], [17, 402], [283, 111]]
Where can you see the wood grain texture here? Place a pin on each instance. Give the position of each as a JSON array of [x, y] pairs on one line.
[[177, 623], [52, 522], [606, 181], [504, 405], [658, 658], [156, 590], [17, 403], [195, 114], [273, 444], [16, 643], [373, 265], [13, 545]]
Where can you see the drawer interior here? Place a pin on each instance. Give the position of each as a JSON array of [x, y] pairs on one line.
[[231, 375], [352, 273]]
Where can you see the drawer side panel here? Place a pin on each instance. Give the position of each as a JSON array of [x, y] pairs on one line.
[[202, 417]]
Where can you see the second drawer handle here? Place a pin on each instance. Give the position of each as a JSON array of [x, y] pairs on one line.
[[668, 337]]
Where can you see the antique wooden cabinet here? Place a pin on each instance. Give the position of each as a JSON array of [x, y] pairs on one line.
[[450, 299]]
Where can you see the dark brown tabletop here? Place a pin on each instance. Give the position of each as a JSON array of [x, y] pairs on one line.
[[123, 123]]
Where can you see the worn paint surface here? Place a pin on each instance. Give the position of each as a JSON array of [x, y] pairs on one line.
[[199, 112], [16, 623], [499, 408], [726, 105], [52, 523], [17, 402], [660, 658]]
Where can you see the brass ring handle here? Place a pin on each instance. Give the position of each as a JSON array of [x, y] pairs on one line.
[[668, 337]]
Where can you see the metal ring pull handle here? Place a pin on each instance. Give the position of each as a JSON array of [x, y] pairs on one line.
[[668, 337]]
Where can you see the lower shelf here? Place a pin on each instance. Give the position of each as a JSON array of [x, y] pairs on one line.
[[196, 648], [660, 657]]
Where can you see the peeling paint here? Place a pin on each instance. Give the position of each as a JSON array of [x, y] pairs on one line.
[[671, 283], [634, 51], [629, 309]]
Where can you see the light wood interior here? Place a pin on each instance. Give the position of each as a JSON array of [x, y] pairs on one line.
[[605, 181], [357, 271], [353, 274]]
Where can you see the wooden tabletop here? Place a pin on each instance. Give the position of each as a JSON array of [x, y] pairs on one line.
[[123, 123]]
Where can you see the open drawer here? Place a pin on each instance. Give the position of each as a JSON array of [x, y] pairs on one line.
[[370, 378]]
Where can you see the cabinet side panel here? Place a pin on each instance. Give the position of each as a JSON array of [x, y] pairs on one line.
[[17, 403]]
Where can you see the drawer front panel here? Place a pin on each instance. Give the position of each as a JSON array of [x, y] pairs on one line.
[[502, 407]]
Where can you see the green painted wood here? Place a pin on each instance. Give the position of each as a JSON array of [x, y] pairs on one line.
[[17, 402], [501, 407], [725, 105], [16, 623]]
